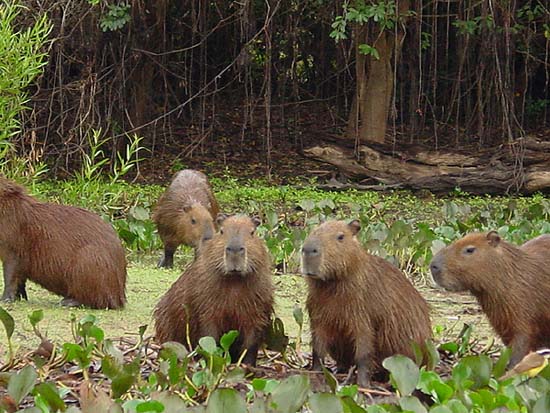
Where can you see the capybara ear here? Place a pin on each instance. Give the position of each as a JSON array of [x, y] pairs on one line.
[[493, 238], [220, 218], [256, 221], [354, 226]]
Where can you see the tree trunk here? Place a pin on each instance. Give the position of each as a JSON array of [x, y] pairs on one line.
[[374, 87]]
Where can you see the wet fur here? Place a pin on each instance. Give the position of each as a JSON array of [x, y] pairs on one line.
[[362, 308], [214, 301], [511, 283], [189, 194], [67, 250]]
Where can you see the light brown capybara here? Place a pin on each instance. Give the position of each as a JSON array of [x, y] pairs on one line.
[[67, 250], [511, 283], [185, 213], [362, 308], [227, 287]]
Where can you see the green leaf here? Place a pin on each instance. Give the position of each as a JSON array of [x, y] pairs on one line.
[[49, 393], [404, 373], [121, 384], [298, 315], [330, 379], [21, 383], [457, 406], [352, 406], [171, 402], [500, 366], [150, 406], [410, 403], [440, 409], [226, 401], [290, 395], [443, 391], [208, 344], [7, 320], [481, 367], [36, 316], [176, 348], [325, 402], [228, 339]]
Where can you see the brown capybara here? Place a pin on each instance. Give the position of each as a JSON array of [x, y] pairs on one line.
[[227, 287], [511, 283], [67, 250], [185, 213], [362, 308]]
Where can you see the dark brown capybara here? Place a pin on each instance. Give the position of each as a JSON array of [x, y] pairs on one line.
[[362, 308], [185, 213], [227, 287], [511, 283], [67, 250]]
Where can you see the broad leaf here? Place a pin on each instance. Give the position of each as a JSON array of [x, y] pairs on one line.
[[404, 373], [325, 402], [290, 395], [7, 320], [21, 383], [226, 401]]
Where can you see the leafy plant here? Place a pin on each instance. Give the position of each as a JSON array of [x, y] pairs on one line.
[[23, 56]]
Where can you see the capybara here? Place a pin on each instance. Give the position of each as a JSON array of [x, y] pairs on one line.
[[227, 287], [67, 250], [511, 283], [362, 308], [185, 213]]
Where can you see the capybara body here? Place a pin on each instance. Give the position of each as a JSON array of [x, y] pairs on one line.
[[185, 213], [67, 250], [227, 287], [511, 283], [362, 308]]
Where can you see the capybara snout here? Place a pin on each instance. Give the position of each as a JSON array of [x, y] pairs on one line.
[[311, 257], [235, 235]]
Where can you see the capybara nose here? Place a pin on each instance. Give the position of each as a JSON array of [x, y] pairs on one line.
[[435, 269], [310, 251], [235, 249]]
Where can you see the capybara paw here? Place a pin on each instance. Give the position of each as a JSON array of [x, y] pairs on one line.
[[70, 302], [164, 263], [10, 298]]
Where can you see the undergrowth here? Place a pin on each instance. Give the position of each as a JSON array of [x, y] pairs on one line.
[[93, 373]]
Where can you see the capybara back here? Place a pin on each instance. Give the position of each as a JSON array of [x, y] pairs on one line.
[[511, 283], [185, 213], [67, 250], [362, 308], [227, 287]]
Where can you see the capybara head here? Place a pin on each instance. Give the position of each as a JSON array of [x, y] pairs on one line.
[[195, 225], [235, 234], [329, 249], [459, 266]]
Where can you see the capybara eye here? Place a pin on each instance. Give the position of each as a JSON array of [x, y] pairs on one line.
[[221, 231], [470, 250], [193, 221], [341, 237]]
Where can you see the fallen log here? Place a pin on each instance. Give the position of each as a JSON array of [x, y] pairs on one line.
[[520, 167]]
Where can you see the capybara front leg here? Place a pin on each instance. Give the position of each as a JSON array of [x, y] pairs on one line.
[[167, 260], [362, 361], [11, 281], [21, 289], [251, 345], [520, 347], [317, 354]]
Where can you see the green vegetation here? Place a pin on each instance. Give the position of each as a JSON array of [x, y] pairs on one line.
[[137, 376]]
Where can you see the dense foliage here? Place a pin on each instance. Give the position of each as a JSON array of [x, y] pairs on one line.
[[221, 75]]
